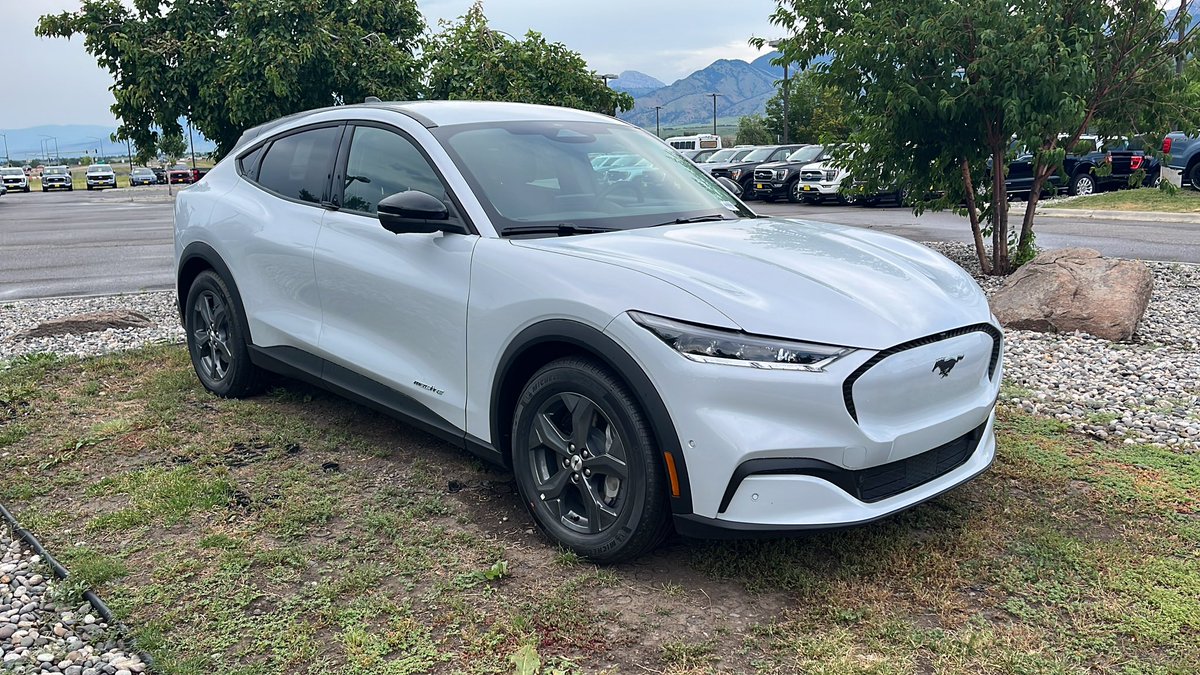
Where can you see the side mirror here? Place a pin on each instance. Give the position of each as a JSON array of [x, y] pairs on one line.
[[734, 188], [415, 212]]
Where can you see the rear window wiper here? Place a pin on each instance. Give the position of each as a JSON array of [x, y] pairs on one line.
[[696, 219], [562, 229]]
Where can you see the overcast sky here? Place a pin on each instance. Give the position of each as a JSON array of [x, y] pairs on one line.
[[59, 83]]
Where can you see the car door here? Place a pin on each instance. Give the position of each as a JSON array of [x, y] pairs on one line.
[[270, 237], [1020, 172], [395, 304]]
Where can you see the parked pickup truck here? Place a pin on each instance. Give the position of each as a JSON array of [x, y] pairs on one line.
[[1182, 166], [1081, 171]]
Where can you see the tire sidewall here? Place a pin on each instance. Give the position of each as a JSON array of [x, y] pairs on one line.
[[240, 362], [1080, 180], [564, 378]]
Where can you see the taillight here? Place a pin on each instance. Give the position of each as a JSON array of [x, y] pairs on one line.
[[1166, 145], [1135, 162]]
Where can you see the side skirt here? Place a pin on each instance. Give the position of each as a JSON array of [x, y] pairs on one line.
[[301, 365]]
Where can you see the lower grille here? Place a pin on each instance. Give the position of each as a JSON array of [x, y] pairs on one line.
[[889, 480]]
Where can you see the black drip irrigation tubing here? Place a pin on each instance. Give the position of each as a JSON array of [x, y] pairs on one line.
[[61, 573]]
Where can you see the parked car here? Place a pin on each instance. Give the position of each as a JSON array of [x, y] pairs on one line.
[[180, 174], [100, 176], [638, 358], [698, 155], [742, 172], [3, 190], [160, 175], [825, 179], [142, 176], [14, 179], [723, 159], [56, 178], [781, 180], [1080, 175], [1182, 166], [198, 173]]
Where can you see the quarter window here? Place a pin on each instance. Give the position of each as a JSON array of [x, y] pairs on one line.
[[297, 166], [382, 163]]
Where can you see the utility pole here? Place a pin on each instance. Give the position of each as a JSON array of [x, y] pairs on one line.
[[192, 146], [657, 127], [714, 98], [7, 159]]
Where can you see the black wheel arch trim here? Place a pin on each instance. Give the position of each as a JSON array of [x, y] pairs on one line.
[[613, 356], [199, 250]]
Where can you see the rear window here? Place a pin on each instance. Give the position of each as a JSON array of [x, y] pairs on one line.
[[298, 166]]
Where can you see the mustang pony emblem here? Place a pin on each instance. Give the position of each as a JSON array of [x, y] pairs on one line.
[[944, 366]]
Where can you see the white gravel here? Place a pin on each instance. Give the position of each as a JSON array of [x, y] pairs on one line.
[[39, 636], [1145, 391]]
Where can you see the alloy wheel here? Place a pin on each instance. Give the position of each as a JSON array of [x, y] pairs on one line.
[[579, 463], [1084, 185], [210, 333]]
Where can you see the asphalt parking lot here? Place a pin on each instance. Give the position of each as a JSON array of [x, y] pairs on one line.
[[119, 241]]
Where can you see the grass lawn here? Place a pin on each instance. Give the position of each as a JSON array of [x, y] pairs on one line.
[[296, 532], [1142, 199]]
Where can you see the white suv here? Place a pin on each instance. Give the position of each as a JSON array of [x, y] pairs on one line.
[[640, 352], [14, 179]]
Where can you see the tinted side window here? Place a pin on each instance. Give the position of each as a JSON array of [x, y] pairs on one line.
[[382, 163], [248, 164], [298, 166]]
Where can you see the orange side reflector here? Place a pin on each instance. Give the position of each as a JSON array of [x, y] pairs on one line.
[[671, 473]]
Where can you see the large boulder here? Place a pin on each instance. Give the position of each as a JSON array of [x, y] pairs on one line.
[[1075, 289], [91, 322]]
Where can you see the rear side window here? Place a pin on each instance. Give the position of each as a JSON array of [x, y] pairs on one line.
[[248, 164], [297, 166]]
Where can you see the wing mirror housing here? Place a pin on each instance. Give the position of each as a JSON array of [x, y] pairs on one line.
[[733, 187], [416, 212]]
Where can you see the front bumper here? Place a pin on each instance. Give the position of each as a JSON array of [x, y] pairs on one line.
[[771, 451], [102, 182], [56, 185], [820, 189], [769, 189]]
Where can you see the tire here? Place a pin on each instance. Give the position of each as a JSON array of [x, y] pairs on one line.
[[70, 188], [1083, 184], [26, 189], [217, 340], [44, 190], [793, 192], [599, 492], [1193, 174], [748, 194]]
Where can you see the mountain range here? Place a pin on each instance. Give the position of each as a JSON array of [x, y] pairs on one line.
[[73, 140], [743, 88]]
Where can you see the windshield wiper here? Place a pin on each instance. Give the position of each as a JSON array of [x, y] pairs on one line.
[[562, 229], [696, 219]]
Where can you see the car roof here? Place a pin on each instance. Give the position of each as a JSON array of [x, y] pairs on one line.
[[432, 114]]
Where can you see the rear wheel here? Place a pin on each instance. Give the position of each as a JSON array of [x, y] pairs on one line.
[[1194, 176], [1083, 184], [586, 463], [217, 340]]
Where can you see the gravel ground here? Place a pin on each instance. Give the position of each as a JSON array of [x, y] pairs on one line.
[[1145, 391], [37, 635]]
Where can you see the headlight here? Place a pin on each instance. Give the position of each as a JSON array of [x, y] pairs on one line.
[[830, 175], [716, 345], [735, 174]]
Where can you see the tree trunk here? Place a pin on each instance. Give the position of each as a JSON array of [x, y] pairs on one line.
[[1000, 264], [1025, 242], [985, 265]]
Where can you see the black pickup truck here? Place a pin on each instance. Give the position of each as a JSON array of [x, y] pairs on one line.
[[742, 172], [781, 180], [1082, 172]]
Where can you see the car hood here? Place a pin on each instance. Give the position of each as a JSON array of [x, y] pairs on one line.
[[798, 279]]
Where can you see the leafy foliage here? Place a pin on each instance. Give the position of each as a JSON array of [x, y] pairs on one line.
[[752, 130], [470, 60], [942, 92], [815, 112], [232, 64]]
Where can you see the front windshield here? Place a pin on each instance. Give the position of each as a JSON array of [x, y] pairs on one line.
[[99, 168], [142, 172], [56, 170], [721, 155], [537, 174], [759, 154], [11, 172], [808, 154]]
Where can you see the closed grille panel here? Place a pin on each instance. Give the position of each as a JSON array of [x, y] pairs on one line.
[[889, 480]]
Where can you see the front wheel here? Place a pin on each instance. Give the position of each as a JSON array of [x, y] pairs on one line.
[[217, 340], [795, 194], [586, 463]]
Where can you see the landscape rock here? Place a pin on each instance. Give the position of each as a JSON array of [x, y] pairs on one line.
[[90, 322], [1076, 289]]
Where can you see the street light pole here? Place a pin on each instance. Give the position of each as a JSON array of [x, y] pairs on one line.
[[774, 44], [606, 77], [7, 159], [192, 145], [714, 98], [657, 127]]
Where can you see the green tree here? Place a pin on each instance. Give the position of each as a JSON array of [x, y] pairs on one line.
[[228, 64], [470, 60], [752, 130], [942, 91], [815, 112], [172, 146]]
